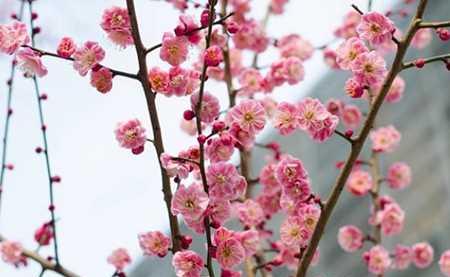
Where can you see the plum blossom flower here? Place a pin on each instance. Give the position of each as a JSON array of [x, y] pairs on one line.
[[119, 258], [174, 168], [174, 49], [224, 181], [44, 234], [11, 252], [350, 238], [130, 134], [348, 51], [230, 253], [29, 61], [395, 93], [290, 170], [285, 118], [248, 115], [335, 106], [359, 183], [87, 57], [377, 260], [159, 79], [190, 201], [213, 56], [277, 6], [188, 27], [250, 80], [252, 36], [181, 81], [369, 68], [348, 27], [292, 231], [102, 79], [242, 138], [12, 36], [66, 47], [423, 254], [187, 264], [220, 149], [402, 257], [375, 28], [116, 23], [154, 243], [268, 178], [250, 213], [399, 175], [295, 46], [385, 139], [250, 240], [422, 38], [444, 263], [219, 211], [391, 219], [351, 116], [210, 108], [354, 88]]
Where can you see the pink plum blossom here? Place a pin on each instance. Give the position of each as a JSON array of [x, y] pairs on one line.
[[220, 149], [224, 181], [444, 263], [348, 27], [119, 258], [174, 49], [154, 243], [423, 254], [369, 68], [230, 253], [422, 38], [391, 219], [66, 47], [250, 80], [210, 108], [350, 238], [348, 51], [191, 202], [385, 139], [250, 240], [402, 257], [12, 36], [295, 46], [116, 23], [29, 61], [248, 115], [351, 116], [399, 175], [377, 260], [11, 252], [250, 213], [130, 134], [375, 28], [213, 56], [102, 79], [285, 118], [159, 79], [87, 57], [187, 264], [359, 183], [354, 88]]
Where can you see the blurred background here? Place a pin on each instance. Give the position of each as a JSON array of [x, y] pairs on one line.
[[107, 196]]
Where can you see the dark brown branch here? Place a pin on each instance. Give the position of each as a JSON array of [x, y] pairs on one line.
[[342, 135]]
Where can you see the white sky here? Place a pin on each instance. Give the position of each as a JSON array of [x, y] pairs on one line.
[[107, 195]]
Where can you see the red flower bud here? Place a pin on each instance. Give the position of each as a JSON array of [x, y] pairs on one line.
[[55, 179], [188, 115], [185, 241], [137, 151], [419, 63], [444, 34], [44, 234], [201, 139]]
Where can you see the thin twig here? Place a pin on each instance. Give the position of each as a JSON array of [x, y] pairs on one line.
[[344, 136], [443, 58], [435, 25]]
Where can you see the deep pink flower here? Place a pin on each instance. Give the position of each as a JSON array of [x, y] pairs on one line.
[[190, 201], [223, 181], [295, 46], [213, 56], [348, 51], [385, 139], [44, 234], [187, 27], [174, 49], [399, 175], [220, 149], [444, 263], [12, 36], [119, 258], [250, 213], [187, 264], [359, 183], [29, 61], [402, 257], [423, 254], [154, 243], [285, 118], [210, 108], [290, 170], [66, 47], [369, 68], [249, 115], [375, 28], [377, 260], [348, 27], [391, 219], [354, 88], [116, 23], [243, 138], [350, 238], [230, 253], [250, 80], [87, 57], [11, 252], [102, 79], [335, 106], [130, 134], [269, 202], [351, 116], [159, 79]]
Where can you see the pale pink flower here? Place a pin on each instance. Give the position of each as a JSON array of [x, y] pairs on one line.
[[350, 238], [354, 88], [402, 257], [219, 211], [12, 36], [292, 231], [395, 93], [174, 49], [298, 191], [243, 138], [250, 240], [288, 255], [154, 243], [250, 213], [310, 214], [250, 80], [213, 56], [351, 116], [285, 118], [220, 149], [179, 4], [422, 38], [240, 6], [116, 23], [444, 263], [423, 254], [277, 6], [248, 115], [230, 253], [197, 225], [359, 183], [268, 179], [348, 51], [159, 79], [330, 58], [130, 134], [290, 170], [375, 28], [174, 168], [66, 47], [399, 175], [187, 264], [348, 27], [377, 260], [269, 105], [369, 68], [119, 258], [210, 108], [87, 57], [327, 129], [293, 70], [391, 219], [191, 202], [223, 180], [29, 61], [11, 252], [385, 139], [189, 127], [102, 79], [181, 81], [252, 36], [295, 46]]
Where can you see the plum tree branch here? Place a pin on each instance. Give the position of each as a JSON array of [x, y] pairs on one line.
[[442, 58]]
